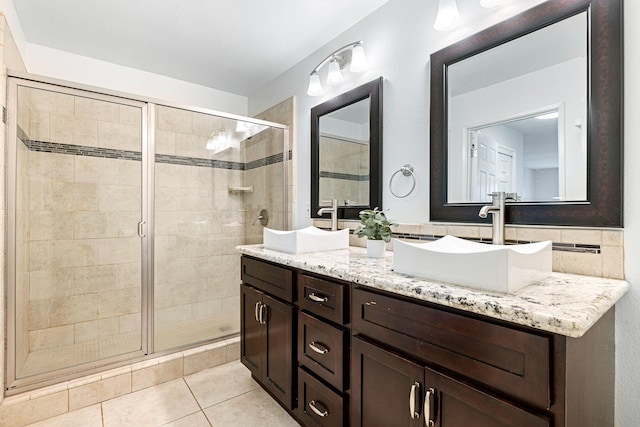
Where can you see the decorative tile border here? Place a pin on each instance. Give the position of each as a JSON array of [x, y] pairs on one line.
[[110, 153], [345, 176]]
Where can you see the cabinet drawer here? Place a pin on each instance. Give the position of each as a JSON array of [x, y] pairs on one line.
[[318, 405], [505, 359], [321, 349], [270, 278], [322, 297]]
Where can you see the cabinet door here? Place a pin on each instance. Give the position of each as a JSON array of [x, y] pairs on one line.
[[453, 404], [387, 389], [278, 369], [252, 340]]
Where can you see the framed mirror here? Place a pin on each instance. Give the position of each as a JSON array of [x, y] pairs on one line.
[[532, 105], [346, 151]]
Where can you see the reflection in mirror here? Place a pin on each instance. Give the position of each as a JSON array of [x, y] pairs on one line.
[[346, 151], [498, 76], [516, 115], [344, 155]]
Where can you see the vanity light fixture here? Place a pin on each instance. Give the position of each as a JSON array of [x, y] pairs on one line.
[[491, 3], [448, 15], [353, 54]]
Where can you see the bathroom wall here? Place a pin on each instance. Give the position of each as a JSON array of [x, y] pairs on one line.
[[398, 40]]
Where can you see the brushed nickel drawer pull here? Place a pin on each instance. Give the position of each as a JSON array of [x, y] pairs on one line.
[[316, 298], [415, 389], [256, 311], [319, 412], [427, 408], [318, 347]]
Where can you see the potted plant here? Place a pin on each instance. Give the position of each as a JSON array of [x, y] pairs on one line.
[[375, 226]]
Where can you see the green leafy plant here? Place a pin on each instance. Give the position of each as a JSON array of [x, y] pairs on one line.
[[374, 225]]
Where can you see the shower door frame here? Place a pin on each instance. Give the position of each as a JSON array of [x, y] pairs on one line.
[[12, 138], [146, 226]]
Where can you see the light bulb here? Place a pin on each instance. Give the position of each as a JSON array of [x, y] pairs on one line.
[[448, 15], [358, 59], [334, 76], [491, 3], [315, 87]]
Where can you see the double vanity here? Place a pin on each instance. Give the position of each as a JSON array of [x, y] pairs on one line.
[[341, 339]]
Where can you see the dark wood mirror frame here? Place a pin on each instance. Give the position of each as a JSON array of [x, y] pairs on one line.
[[604, 137], [373, 91]]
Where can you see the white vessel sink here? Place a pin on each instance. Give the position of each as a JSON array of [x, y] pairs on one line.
[[310, 239], [502, 268]]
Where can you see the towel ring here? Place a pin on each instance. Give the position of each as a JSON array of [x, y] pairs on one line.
[[407, 170]]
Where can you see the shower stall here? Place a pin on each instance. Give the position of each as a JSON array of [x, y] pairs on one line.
[[123, 217]]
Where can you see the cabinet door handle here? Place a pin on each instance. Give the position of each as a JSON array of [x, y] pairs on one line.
[[263, 314], [415, 391], [316, 298], [427, 408], [318, 347], [255, 312], [313, 405]]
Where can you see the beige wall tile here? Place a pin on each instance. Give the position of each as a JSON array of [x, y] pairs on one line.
[[119, 302], [74, 253], [50, 102], [51, 166], [173, 119], [85, 132], [157, 374], [50, 225], [233, 351], [463, 231], [582, 263], [95, 278], [95, 170], [73, 309], [585, 237], [99, 391], [613, 238], [539, 234], [93, 109], [39, 126], [121, 198], [613, 262], [61, 128], [119, 137], [122, 250], [35, 410], [130, 115], [165, 142], [433, 229]]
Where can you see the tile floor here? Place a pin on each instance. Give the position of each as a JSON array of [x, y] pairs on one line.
[[224, 396]]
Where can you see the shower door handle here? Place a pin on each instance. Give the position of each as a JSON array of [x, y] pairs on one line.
[[141, 229]]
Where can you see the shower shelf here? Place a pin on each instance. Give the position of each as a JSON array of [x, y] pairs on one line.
[[248, 189]]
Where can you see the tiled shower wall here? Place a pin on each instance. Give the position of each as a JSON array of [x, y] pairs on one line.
[[267, 177], [345, 171], [83, 263], [198, 224]]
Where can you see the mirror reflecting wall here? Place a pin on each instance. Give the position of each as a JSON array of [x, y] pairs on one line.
[[531, 105], [344, 155], [346, 151], [516, 118]]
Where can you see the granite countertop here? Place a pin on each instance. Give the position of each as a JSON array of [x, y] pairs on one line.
[[564, 304]]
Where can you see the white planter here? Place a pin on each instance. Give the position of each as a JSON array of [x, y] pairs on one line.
[[375, 248]]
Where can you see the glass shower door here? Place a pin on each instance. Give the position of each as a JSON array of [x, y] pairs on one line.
[[75, 204]]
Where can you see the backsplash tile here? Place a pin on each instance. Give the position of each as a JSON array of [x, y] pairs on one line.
[[589, 252]]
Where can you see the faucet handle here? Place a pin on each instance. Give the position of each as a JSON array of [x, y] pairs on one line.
[[513, 197]]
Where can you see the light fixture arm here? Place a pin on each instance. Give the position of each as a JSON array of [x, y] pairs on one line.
[[341, 55]]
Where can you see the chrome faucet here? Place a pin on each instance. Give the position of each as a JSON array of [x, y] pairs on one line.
[[333, 210], [496, 209]]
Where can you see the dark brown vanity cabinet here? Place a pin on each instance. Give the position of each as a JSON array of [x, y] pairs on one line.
[[323, 351], [267, 328], [339, 354], [417, 364]]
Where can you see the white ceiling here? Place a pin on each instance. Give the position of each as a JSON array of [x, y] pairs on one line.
[[231, 45]]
